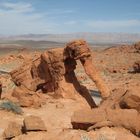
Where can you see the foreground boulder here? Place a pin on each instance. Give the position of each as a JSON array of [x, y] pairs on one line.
[[121, 109], [97, 118], [12, 130], [105, 133], [34, 123]]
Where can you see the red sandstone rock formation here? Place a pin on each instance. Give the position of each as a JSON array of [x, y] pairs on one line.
[[97, 118], [136, 67], [79, 50], [121, 108], [13, 129], [34, 123], [53, 71], [27, 98], [0, 89], [122, 99], [137, 47]]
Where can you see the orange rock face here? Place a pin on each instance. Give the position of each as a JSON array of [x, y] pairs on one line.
[[79, 50], [13, 129], [27, 98], [98, 118], [34, 123], [0, 89]]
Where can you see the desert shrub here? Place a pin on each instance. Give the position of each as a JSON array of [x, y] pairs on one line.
[[10, 106], [84, 137], [105, 136]]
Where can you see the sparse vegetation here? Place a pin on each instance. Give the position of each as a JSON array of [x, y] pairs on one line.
[[105, 137], [10, 106], [85, 137]]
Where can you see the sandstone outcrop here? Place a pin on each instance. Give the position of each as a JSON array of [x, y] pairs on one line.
[[0, 89], [79, 50], [54, 72], [12, 130], [28, 98], [34, 123], [131, 100], [97, 118], [137, 47], [136, 67], [122, 99], [30, 123], [120, 109]]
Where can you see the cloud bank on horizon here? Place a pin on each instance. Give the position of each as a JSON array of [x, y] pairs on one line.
[[53, 16]]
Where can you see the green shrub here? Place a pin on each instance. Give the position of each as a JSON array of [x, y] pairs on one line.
[[10, 106], [84, 137]]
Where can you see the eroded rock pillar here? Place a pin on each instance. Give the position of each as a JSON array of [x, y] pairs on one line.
[[79, 50]]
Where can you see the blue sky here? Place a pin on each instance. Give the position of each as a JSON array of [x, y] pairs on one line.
[[68, 16]]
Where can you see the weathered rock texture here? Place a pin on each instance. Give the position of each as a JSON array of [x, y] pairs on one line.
[[80, 50], [114, 99], [34, 123], [26, 75], [131, 100], [53, 71], [97, 118], [27, 98], [136, 67], [124, 99], [0, 89], [121, 109], [137, 47], [12, 130]]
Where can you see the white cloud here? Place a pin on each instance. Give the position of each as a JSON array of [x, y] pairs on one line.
[[17, 7], [21, 18]]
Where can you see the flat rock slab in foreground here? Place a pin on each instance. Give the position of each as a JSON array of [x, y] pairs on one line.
[[83, 119], [97, 118], [34, 123], [12, 130]]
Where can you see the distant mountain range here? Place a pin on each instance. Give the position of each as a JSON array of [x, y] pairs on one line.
[[93, 38]]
